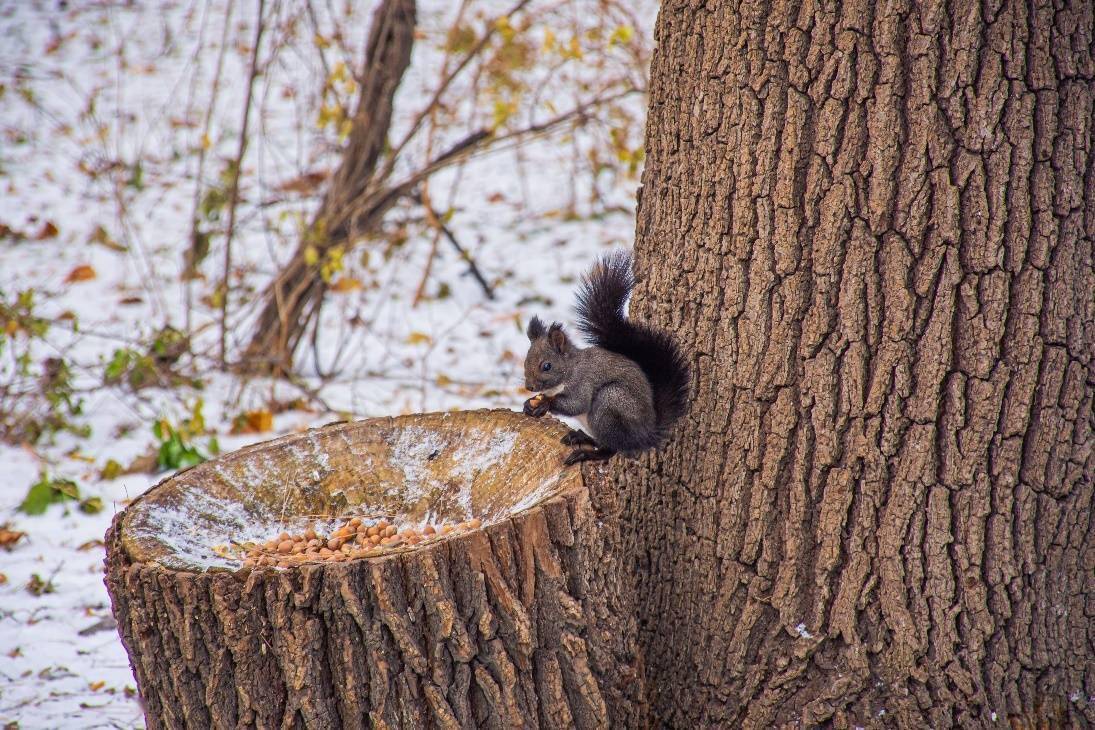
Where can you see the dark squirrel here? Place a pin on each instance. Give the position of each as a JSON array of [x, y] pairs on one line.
[[627, 389]]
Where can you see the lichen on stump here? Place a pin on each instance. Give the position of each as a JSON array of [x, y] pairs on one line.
[[525, 622]]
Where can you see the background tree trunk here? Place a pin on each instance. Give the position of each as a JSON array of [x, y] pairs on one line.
[[350, 207], [871, 225]]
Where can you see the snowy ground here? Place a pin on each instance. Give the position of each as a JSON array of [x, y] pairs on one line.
[[89, 90]]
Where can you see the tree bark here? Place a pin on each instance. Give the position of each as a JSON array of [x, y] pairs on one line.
[[527, 622], [352, 205], [871, 225]]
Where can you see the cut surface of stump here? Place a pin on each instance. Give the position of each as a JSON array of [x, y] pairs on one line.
[[523, 618]]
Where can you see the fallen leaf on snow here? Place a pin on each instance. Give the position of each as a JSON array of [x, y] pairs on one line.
[[7, 231], [36, 586], [47, 231], [84, 272], [107, 623], [8, 537], [259, 421], [346, 284], [144, 464], [102, 237], [56, 672]]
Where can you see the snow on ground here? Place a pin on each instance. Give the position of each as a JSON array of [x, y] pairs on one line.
[[88, 90]]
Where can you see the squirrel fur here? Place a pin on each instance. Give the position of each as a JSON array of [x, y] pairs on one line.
[[627, 388]]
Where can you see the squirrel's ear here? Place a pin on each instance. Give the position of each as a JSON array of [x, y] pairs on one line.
[[557, 338], [535, 329]]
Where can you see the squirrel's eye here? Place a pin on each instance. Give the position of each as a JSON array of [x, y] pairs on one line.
[[545, 366]]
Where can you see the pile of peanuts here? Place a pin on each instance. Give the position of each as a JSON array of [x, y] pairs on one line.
[[356, 538]]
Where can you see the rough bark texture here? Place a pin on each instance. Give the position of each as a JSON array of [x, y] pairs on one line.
[[524, 623], [350, 207], [871, 225]]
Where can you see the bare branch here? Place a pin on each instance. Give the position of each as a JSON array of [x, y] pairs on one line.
[[233, 199]]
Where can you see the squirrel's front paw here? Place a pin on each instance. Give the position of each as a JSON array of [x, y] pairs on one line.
[[577, 437], [537, 405]]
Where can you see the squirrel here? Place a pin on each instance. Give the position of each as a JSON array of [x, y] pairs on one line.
[[627, 389]]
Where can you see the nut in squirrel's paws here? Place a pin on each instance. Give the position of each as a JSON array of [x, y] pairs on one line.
[[537, 405]]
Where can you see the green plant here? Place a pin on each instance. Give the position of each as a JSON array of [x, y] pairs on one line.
[[177, 448], [131, 367], [33, 403], [56, 490]]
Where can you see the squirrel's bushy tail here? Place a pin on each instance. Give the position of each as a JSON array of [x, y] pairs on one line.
[[601, 300]]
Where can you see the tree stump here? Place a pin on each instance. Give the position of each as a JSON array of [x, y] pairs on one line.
[[527, 621]]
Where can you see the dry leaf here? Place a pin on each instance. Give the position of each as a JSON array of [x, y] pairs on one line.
[[259, 421], [90, 544], [47, 231], [144, 464], [96, 685], [294, 404], [7, 231], [84, 272], [418, 338], [305, 183], [346, 284], [8, 536], [36, 586], [76, 455], [103, 238]]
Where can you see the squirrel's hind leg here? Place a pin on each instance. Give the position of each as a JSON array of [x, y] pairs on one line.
[[588, 452], [577, 437]]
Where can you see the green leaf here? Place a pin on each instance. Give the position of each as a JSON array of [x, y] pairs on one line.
[[190, 457], [48, 491], [170, 454], [119, 363], [111, 470], [91, 506], [39, 497], [66, 488], [136, 176]]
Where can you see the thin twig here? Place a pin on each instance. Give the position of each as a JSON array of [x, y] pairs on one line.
[[424, 196], [427, 110], [431, 113], [435, 220], [311, 11], [480, 141], [312, 394], [234, 197], [192, 263]]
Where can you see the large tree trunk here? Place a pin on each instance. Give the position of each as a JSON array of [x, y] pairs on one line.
[[526, 622], [871, 224]]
